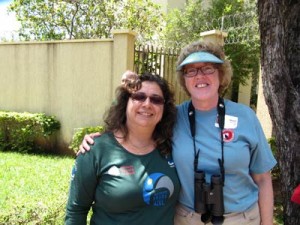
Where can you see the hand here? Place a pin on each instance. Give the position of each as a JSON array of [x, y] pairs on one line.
[[86, 142]]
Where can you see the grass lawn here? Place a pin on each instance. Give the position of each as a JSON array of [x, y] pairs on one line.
[[34, 188]]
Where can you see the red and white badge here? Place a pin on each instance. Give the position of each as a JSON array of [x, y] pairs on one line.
[[228, 135]]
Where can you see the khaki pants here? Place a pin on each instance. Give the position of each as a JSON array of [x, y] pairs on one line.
[[188, 217]]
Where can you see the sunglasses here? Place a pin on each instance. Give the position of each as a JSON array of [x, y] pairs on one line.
[[141, 97]]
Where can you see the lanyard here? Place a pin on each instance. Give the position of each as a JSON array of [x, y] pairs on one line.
[[221, 121]]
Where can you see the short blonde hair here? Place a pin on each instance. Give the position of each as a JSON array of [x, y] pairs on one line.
[[225, 69]]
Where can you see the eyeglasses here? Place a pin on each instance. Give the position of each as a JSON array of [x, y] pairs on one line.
[[141, 97], [205, 70]]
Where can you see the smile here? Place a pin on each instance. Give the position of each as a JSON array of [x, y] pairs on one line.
[[201, 85], [145, 114]]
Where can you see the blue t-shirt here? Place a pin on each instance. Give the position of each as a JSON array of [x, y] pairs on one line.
[[246, 151]]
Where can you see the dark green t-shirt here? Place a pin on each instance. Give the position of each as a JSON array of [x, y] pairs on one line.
[[122, 188]]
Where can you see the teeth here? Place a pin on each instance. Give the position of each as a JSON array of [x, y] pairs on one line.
[[201, 85], [145, 114]]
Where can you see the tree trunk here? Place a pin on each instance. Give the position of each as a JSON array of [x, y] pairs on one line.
[[279, 22]]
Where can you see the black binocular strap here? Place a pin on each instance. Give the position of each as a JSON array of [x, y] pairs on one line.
[[193, 132], [221, 121]]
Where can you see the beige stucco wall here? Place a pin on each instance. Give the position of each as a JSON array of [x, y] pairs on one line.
[[262, 111], [245, 92], [72, 80]]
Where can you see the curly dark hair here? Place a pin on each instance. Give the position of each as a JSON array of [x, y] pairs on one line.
[[115, 117]]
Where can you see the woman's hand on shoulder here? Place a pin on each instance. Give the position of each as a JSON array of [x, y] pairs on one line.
[[86, 142]]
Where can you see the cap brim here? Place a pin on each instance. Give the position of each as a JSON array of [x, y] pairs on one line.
[[197, 57]]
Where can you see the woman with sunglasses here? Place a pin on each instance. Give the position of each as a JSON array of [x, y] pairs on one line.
[[129, 176]]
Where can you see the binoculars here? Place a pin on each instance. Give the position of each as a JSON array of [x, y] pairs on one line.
[[209, 200]]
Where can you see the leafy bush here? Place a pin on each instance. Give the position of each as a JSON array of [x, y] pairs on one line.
[[18, 131], [79, 134]]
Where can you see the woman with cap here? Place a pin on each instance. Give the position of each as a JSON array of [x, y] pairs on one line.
[[222, 157], [223, 142]]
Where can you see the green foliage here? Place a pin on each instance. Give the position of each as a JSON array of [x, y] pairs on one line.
[[184, 26], [276, 169], [79, 134], [18, 131], [85, 19], [272, 143], [34, 188]]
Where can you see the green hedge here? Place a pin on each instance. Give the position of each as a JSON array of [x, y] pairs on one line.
[[79, 134], [18, 131]]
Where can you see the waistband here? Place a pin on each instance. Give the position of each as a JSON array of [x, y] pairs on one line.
[[182, 210]]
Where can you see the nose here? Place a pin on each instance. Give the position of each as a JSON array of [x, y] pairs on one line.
[[199, 72], [147, 101]]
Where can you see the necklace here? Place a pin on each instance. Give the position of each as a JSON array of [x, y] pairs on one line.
[[144, 149], [138, 148]]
